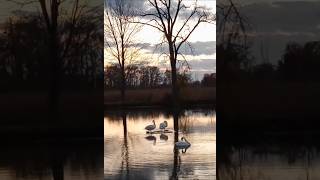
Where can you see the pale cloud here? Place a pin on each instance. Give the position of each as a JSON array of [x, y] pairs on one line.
[[202, 40], [278, 22]]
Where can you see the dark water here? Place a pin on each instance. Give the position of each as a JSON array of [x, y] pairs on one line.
[[50, 160], [130, 153], [270, 161]]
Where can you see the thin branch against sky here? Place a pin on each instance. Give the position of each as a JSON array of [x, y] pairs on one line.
[[205, 33]]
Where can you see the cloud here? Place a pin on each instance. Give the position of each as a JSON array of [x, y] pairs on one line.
[[201, 48], [298, 16], [201, 67], [277, 23], [203, 64], [197, 48]]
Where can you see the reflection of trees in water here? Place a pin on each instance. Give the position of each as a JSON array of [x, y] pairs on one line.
[[186, 123], [176, 164], [236, 161], [188, 119], [230, 168], [134, 114], [43, 160], [182, 120], [115, 115], [124, 147], [176, 154], [176, 157]]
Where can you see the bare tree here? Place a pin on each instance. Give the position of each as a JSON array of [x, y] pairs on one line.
[[232, 46], [232, 25], [164, 15], [59, 43], [119, 36]]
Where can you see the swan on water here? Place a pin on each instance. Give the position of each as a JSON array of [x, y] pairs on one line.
[[151, 126], [182, 144], [163, 125]]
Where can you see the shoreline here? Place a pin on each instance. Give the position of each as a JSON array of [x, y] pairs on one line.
[[160, 97], [110, 107]]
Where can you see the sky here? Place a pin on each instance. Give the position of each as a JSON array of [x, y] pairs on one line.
[[278, 22], [275, 23], [203, 42], [7, 7]]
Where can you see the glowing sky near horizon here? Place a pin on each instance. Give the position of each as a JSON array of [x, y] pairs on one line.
[[205, 34]]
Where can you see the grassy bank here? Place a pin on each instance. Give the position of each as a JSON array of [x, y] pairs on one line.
[[269, 107], [80, 115], [160, 96]]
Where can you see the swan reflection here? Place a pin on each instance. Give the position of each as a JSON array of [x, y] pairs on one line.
[[163, 137], [151, 138]]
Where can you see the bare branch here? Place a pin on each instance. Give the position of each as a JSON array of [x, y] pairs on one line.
[[149, 24]]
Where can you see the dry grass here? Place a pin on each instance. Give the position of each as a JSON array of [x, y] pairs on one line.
[[259, 106], [161, 96], [32, 108]]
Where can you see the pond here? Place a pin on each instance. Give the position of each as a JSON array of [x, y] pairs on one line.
[[79, 159], [132, 153], [266, 161]]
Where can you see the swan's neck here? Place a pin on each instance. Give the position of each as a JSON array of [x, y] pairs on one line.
[[154, 123], [186, 140]]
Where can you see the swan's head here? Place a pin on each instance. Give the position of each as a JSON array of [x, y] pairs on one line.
[[153, 121], [165, 122], [182, 138]]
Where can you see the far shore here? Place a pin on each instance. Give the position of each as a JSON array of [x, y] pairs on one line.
[[160, 98], [26, 116]]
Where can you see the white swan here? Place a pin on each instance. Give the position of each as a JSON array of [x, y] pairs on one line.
[[151, 127], [163, 125], [182, 144]]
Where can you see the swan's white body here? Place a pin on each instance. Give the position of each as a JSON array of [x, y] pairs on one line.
[[151, 127], [163, 125], [182, 144]]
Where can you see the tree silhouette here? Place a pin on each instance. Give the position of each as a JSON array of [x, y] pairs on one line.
[[56, 48], [232, 46], [164, 15], [300, 62], [119, 36]]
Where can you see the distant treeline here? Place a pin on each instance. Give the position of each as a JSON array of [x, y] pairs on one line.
[[138, 76], [25, 51], [299, 62]]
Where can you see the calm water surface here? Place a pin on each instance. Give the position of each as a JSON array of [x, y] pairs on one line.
[[130, 153], [270, 161], [51, 160]]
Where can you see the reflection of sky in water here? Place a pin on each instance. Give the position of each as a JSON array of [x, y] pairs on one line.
[[272, 162], [153, 158], [79, 160]]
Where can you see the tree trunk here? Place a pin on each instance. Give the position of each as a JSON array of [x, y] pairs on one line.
[[54, 74], [175, 150], [174, 86], [123, 85], [54, 81], [53, 49]]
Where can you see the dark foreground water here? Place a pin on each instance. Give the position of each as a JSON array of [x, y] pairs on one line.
[[274, 161], [51, 160], [130, 153]]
